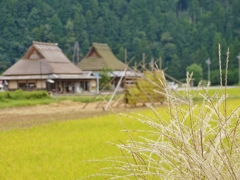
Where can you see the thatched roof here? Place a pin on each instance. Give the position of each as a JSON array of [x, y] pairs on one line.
[[43, 58], [100, 56], [62, 76]]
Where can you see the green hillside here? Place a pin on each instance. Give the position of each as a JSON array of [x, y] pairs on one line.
[[181, 32]]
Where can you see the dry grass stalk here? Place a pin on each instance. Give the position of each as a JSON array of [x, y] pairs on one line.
[[200, 141]]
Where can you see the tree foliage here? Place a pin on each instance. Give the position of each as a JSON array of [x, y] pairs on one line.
[[197, 72], [178, 31], [104, 79]]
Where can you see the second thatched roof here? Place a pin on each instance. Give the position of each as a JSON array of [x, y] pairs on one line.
[[100, 56]]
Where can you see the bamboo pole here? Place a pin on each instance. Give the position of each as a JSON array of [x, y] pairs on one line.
[[104, 87], [101, 102], [119, 82], [116, 99]]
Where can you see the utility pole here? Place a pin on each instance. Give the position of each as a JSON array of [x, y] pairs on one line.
[[41, 74], [125, 55], [76, 53], [238, 69], [208, 63], [152, 64], [160, 63], [143, 59]]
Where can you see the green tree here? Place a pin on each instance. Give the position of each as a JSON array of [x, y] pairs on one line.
[[34, 18], [104, 81], [56, 28], [89, 20], [197, 72], [94, 8], [188, 30], [79, 25], [99, 30]]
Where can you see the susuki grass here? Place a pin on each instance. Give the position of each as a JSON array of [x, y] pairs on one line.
[[195, 141]]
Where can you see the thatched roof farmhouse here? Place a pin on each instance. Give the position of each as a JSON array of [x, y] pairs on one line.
[[99, 57], [44, 66]]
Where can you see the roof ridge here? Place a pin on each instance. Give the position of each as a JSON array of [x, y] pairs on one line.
[[100, 43], [101, 46], [45, 43]]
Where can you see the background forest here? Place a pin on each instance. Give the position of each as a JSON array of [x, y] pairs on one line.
[[181, 32]]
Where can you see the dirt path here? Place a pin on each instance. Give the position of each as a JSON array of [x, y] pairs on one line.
[[23, 117]]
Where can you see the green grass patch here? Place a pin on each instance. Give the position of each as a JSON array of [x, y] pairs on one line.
[[20, 103], [232, 93], [31, 98], [23, 95], [23, 98]]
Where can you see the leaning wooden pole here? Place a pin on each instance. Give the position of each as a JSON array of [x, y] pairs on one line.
[[119, 82], [101, 102], [104, 87], [116, 99]]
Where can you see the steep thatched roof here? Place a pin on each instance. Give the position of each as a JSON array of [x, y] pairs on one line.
[[100, 56], [43, 58]]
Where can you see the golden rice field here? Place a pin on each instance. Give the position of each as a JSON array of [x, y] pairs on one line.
[[58, 150]]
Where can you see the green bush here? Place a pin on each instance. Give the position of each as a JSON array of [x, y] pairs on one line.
[[21, 95], [197, 72], [105, 79]]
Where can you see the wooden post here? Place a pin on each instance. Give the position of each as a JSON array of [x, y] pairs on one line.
[[41, 74], [56, 86], [72, 85], [144, 65], [160, 63], [64, 89], [152, 64], [125, 56], [135, 66]]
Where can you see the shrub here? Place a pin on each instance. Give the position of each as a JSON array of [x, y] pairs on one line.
[[104, 81], [197, 72], [21, 95]]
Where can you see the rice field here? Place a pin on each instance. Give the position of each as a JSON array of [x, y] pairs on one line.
[[59, 150]]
